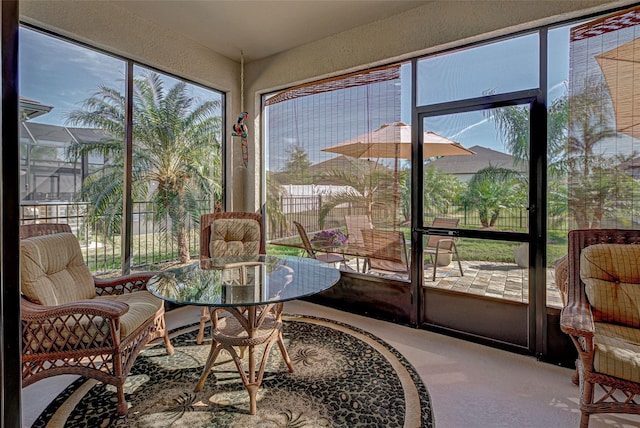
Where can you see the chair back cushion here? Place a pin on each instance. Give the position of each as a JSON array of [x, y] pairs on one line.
[[53, 271], [611, 274], [234, 237]]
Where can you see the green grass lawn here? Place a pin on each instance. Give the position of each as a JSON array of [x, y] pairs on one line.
[[469, 249], [149, 250]]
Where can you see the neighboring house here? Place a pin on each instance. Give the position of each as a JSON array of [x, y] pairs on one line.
[[632, 167], [317, 171], [464, 167], [46, 174]]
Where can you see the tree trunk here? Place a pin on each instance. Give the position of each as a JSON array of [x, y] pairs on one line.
[[494, 218], [183, 246], [484, 217], [183, 241]]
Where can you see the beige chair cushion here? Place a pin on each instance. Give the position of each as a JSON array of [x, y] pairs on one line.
[[617, 351], [142, 306], [53, 271], [611, 273], [234, 237]]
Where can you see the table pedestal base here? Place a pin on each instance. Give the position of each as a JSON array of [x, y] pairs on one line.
[[247, 326]]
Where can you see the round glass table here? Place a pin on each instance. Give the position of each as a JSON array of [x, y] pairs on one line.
[[245, 296]]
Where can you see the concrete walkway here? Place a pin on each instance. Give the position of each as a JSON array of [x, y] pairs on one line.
[[493, 279]]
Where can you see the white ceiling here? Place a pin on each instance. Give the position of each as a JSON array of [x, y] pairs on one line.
[[260, 28]]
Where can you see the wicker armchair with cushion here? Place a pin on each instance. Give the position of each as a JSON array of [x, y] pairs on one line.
[[602, 317], [225, 234], [73, 323]]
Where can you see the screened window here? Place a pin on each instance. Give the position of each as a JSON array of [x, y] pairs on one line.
[[496, 68], [72, 103], [339, 148]]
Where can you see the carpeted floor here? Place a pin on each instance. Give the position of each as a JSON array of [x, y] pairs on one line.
[[343, 377]]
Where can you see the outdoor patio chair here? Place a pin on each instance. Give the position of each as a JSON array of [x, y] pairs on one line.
[[224, 234], [438, 245], [387, 252], [73, 323], [326, 257], [355, 225], [603, 320]]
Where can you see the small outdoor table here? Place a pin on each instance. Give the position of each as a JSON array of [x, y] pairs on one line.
[[252, 289]]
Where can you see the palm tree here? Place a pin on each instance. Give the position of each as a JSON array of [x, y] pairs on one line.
[[596, 185], [581, 181], [370, 187], [275, 215], [440, 191], [492, 189], [176, 154], [513, 124]]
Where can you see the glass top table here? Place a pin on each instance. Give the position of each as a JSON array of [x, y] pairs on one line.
[[243, 281], [250, 290]]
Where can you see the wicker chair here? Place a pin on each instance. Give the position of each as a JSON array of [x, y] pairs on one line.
[[602, 318], [228, 234], [73, 323]]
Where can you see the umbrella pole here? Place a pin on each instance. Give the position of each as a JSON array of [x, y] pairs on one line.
[[396, 190]]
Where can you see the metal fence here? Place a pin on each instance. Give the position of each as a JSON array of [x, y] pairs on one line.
[[152, 244], [305, 209]]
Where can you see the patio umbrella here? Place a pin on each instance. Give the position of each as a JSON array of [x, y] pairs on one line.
[[620, 67], [393, 141]]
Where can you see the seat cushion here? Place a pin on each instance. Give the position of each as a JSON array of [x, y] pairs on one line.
[[53, 271], [142, 306], [611, 273], [234, 237], [617, 351]]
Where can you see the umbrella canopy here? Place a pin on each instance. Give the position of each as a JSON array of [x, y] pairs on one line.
[[620, 67], [393, 141]]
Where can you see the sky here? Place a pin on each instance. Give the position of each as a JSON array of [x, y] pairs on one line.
[[62, 75]]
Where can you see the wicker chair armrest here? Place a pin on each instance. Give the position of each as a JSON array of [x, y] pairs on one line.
[[74, 327], [576, 319], [92, 307], [122, 284]]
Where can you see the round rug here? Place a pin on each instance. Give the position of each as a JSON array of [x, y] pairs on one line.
[[344, 377]]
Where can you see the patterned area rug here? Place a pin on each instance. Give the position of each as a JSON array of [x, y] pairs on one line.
[[344, 377]]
